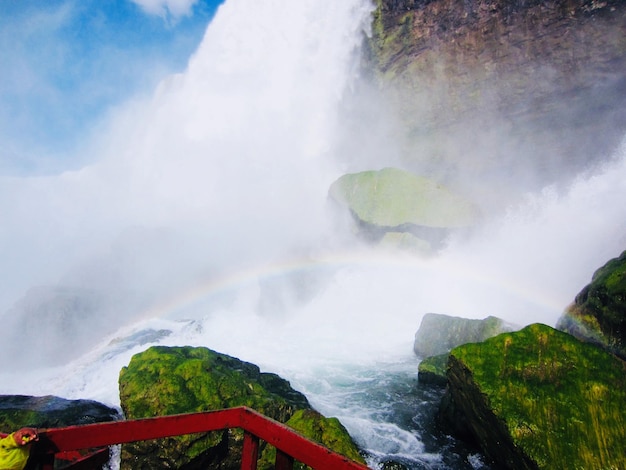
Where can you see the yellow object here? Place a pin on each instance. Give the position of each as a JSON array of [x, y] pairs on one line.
[[12, 455]]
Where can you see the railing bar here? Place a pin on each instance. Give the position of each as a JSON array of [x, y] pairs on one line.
[[274, 433], [250, 452], [118, 432]]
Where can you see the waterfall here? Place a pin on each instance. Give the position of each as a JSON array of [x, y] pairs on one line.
[[205, 216]]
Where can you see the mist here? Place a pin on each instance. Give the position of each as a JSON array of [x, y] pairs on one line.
[[220, 177]]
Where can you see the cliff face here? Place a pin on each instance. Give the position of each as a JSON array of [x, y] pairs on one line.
[[486, 88]]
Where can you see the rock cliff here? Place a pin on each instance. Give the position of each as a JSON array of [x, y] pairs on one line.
[[523, 93]]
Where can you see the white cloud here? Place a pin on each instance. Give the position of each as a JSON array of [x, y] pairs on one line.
[[165, 8]]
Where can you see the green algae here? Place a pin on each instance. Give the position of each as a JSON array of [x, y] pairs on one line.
[[560, 400]]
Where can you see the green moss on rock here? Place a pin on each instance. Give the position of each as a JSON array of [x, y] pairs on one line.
[[539, 398], [432, 370], [171, 380], [598, 313]]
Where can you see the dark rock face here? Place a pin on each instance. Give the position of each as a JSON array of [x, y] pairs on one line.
[[489, 88], [539, 398], [164, 381], [18, 411], [598, 313]]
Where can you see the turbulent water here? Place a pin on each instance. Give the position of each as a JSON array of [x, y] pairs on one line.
[[204, 221]]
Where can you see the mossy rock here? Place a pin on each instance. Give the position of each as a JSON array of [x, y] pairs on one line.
[[540, 398], [328, 432], [598, 313], [171, 380], [396, 198], [17, 411], [432, 370], [438, 333]]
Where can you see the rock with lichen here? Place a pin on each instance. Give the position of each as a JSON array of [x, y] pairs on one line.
[[598, 313], [539, 398]]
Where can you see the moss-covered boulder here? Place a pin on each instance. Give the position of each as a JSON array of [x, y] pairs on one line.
[[598, 313], [170, 380], [540, 399], [49, 411], [326, 431], [438, 334], [396, 201]]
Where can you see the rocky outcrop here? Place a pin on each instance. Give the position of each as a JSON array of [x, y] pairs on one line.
[[432, 370], [393, 202], [598, 313], [171, 380], [539, 399], [439, 333], [521, 92]]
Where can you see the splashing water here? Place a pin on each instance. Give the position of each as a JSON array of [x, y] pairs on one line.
[[218, 186]]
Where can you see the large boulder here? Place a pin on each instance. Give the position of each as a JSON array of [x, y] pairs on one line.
[[598, 313], [393, 202], [171, 380], [438, 333], [49, 411], [539, 398]]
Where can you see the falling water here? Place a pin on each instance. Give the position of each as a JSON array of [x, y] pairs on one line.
[[205, 222]]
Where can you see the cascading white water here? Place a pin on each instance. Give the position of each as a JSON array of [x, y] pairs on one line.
[[206, 214]]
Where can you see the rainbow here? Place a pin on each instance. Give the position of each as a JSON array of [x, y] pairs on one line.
[[203, 290]]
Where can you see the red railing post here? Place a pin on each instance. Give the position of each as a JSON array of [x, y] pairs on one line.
[[250, 452], [283, 461]]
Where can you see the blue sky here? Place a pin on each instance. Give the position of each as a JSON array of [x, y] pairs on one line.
[[65, 63]]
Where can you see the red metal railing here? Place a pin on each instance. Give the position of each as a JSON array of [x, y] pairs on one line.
[[63, 443]]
